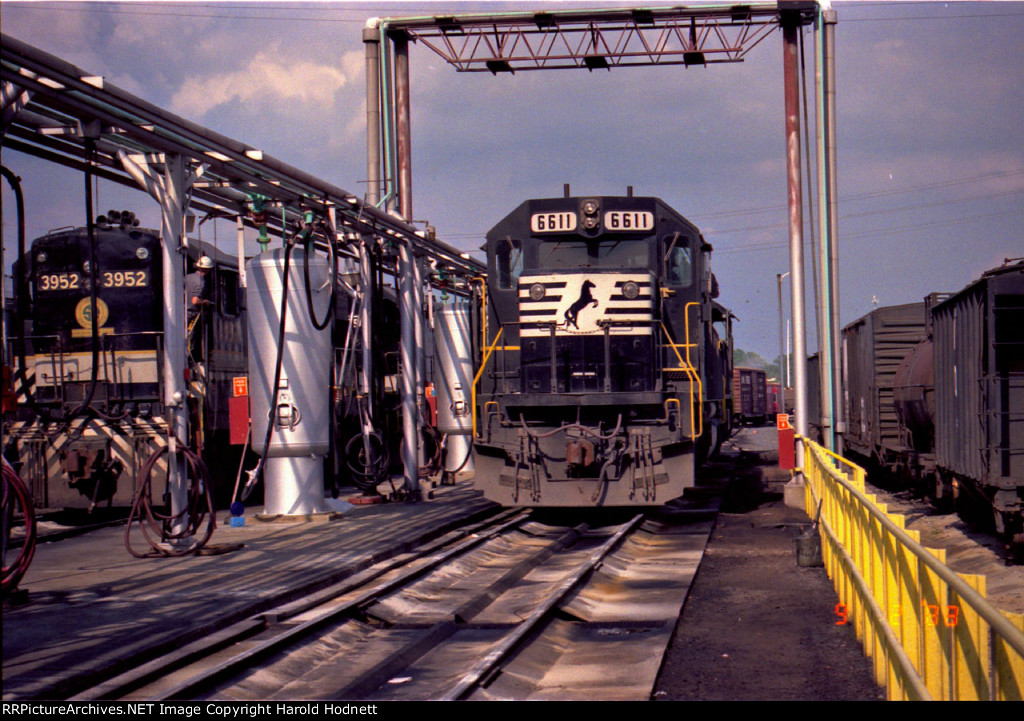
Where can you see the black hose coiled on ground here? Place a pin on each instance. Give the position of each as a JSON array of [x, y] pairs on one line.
[[15, 494], [367, 472], [156, 526]]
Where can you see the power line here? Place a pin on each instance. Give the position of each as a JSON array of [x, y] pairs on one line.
[[867, 195], [867, 213], [768, 245], [363, 13], [702, 218]]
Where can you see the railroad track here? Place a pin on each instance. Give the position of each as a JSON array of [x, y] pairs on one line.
[[511, 608]]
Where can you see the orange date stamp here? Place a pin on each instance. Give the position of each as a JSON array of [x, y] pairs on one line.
[[931, 614]]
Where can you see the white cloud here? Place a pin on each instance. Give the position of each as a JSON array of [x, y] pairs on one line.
[[267, 79]]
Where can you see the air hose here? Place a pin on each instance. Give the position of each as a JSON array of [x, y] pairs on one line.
[[90, 224], [372, 459], [156, 526], [320, 325], [15, 495], [22, 308]]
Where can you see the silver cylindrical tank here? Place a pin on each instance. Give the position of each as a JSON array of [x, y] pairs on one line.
[[453, 385], [293, 477]]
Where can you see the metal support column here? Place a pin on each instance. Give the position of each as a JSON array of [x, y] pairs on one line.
[[367, 288], [421, 353], [782, 348], [410, 423], [832, 218], [403, 128], [170, 189], [240, 236], [371, 41], [826, 305], [790, 29], [412, 328]]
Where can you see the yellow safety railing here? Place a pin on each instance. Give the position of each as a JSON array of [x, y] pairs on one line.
[[696, 424], [480, 372], [929, 630]]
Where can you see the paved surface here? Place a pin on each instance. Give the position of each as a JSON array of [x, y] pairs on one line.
[[758, 627]]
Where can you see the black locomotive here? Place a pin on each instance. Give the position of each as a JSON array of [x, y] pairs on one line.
[[89, 378], [935, 394], [607, 364]]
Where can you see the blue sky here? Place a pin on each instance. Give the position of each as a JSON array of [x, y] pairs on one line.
[[930, 131]]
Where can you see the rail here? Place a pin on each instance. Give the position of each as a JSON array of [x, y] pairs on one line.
[[930, 631]]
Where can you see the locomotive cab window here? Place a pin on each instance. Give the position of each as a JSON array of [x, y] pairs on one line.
[[227, 293], [678, 261], [571, 254], [509, 262]]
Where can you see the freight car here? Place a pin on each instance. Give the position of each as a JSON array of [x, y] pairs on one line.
[[606, 369], [750, 394], [873, 347], [934, 393], [89, 390], [978, 354]]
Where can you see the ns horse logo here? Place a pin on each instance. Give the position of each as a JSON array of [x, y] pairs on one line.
[[585, 299]]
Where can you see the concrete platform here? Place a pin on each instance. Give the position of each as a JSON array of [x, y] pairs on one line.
[[91, 607]]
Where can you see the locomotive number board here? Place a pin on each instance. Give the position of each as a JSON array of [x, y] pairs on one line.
[[108, 279], [565, 221], [628, 220], [560, 222]]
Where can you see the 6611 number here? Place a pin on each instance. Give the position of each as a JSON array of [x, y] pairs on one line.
[[628, 220], [559, 222]]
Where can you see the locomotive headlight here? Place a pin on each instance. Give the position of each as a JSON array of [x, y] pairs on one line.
[[142, 253], [590, 223], [536, 291], [41, 257], [589, 207], [630, 289], [85, 267]]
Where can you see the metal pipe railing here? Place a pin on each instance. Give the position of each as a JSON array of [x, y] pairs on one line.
[[931, 631]]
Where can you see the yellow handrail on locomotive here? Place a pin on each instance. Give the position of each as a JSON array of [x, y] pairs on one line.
[[687, 367], [480, 372], [693, 371], [483, 310]]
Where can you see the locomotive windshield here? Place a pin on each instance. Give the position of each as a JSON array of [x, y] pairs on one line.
[[603, 253]]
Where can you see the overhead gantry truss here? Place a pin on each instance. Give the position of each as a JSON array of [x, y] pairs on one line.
[[594, 39], [56, 111]]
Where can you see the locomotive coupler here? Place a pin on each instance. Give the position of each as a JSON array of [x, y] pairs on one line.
[[578, 454]]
